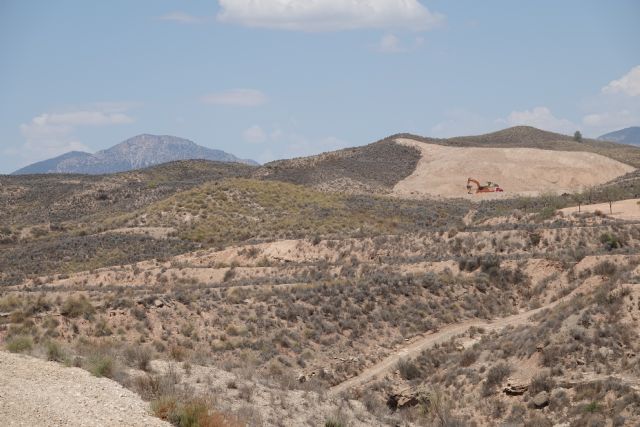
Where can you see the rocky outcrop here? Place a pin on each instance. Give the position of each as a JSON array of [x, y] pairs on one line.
[[515, 389], [541, 400], [407, 397]]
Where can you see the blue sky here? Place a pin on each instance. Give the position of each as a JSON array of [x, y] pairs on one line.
[[269, 79]]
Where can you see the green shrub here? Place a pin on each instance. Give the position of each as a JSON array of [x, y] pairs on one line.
[[605, 268], [546, 213], [54, 352], [495, 376], [164, 407], [535, 239], [76, 307], [408, 370], [101, 366], [138, 356], [592, 407], [190, 413], [19, 344], [610, 241]]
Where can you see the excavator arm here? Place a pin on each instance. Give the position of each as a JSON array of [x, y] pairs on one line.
[[469, 187]]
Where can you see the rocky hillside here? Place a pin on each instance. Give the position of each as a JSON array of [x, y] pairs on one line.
[[135, 153], [629, 136]]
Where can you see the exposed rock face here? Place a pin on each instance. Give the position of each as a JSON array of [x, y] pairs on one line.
[[406, 398], [516, 389], [138, 152]]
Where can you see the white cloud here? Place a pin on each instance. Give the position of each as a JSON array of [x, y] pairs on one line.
[[181, 18], [255, 135], [629, 84], [611, 120], [390, 43], [329, 15], [287, 142], [79, 118], [51, 134], [541, 118], [236, 98]]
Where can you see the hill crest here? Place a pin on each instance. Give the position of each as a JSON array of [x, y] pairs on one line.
[[378, 167]]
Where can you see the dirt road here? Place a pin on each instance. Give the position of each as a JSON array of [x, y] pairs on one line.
[[414, 349]]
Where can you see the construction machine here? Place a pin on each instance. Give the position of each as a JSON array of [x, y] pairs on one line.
[[490, 187]]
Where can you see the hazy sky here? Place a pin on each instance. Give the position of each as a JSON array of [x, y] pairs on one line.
[[268, 79]]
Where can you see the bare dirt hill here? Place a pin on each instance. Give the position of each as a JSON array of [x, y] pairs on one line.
[[378, 167], [38, 393], [443, 171]]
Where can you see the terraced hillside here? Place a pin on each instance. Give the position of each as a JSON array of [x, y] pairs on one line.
[[53, 223], [308, 314]]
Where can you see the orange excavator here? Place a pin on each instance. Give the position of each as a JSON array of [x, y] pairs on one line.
[[491, 187]]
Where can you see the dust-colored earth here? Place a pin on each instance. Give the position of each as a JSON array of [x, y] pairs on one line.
[[155, 232], [621, 209], [443, 171], [34, 392]]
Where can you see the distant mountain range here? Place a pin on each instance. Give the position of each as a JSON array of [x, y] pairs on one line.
[[630, 136], [135, 153]]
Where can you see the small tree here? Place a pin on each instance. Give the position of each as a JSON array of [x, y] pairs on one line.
[[590, 194], [612, 194], [577, 136], [579, 198]]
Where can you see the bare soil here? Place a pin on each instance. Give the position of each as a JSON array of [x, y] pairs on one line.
[[443, 171], [622, 209], [34, 392]]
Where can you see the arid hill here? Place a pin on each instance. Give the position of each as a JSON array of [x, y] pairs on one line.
[[443, 171], [224, 294], [380, 166], [376, 168], [55, 198]]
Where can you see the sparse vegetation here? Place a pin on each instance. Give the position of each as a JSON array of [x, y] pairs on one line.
[[290, 291], [19, 344]]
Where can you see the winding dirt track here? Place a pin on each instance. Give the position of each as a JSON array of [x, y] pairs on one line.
[[414, 349]]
